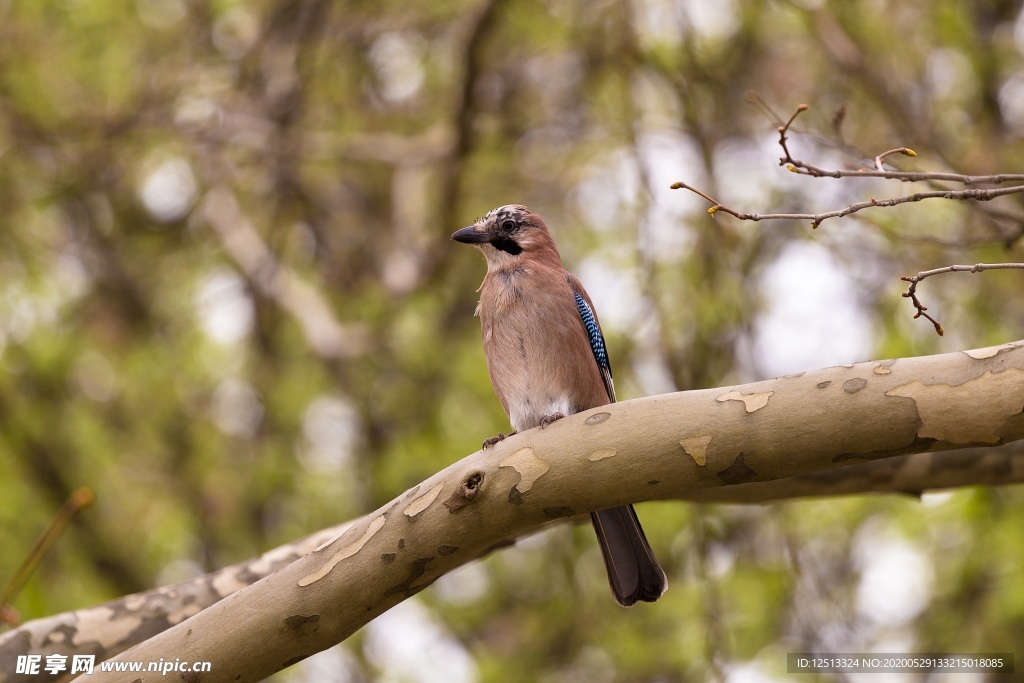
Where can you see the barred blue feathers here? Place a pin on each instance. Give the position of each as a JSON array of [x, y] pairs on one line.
[[593, 332]]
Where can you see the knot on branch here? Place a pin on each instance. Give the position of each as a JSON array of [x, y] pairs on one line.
[[466, 493]]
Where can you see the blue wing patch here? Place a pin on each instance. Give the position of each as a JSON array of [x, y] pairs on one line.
[[594, 332]]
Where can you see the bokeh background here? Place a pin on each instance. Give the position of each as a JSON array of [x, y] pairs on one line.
[[229, 304]]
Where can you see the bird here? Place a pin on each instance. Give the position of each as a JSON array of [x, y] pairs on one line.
[[546, 358]]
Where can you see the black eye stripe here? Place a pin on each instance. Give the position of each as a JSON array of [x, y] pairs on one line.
[[507, 245]]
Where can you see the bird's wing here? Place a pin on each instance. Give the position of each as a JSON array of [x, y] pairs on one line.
[[593, 328]]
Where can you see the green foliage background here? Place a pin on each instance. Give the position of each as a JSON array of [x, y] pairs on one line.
[[179, 375]]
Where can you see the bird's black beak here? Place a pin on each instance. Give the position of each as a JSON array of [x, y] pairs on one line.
[[470, 235]]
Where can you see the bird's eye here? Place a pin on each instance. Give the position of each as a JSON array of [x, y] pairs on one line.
[[508, 225]]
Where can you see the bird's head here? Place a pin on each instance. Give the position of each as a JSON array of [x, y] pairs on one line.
[[509, 234]]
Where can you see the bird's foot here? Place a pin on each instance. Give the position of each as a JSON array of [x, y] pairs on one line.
[[490, 441], [548, 419]]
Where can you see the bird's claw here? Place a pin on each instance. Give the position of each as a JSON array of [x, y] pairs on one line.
[[548, 419], [490, 441]]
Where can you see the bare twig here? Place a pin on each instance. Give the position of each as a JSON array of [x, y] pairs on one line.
[[911, 292], [78, 500], [921, 308], [783, 129], [906, 151], [817, 218], [803, 168]]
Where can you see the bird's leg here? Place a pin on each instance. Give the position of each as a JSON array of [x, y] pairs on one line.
[[548, 419], [490, 441]]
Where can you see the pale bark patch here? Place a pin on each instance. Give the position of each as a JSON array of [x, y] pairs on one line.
[[751, 402], [528, 465], [601, 454], [997, 396], [423, 502], [988, 352], [696, 447], [348, 551]]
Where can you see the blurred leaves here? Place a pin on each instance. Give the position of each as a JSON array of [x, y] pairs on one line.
[[147, 356]]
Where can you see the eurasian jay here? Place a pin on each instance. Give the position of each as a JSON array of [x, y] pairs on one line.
[[547, 359]]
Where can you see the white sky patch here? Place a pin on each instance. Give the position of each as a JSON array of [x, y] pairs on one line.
[[396, 57], [610, 193], [20, 311], [747, 174], [330, 430], [169, 190], [750, 672], [812, 318], [225, 309], [715, 19], [237, 409], [611, 185], [659, 20], [615, 293], [896, 577], [668, 157], [465, 585], [934, 499], [408, 645], [70, 276], [19, 315], [658, 23], [1018, 32], [28, 303], [650, 370], [1011, 102], [335, 665], [179, 570], [949, 74]]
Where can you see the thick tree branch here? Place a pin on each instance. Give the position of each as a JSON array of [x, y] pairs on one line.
[[660, 447], [111, 628], [108, 629], [912, 474]]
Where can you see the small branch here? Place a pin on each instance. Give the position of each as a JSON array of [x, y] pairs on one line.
[[911, 292], [78, 500], [906, 151], [783, 129], [817, 218], [921, 308], [803, 168]]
